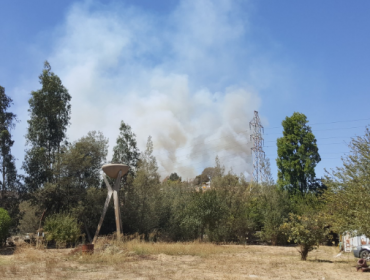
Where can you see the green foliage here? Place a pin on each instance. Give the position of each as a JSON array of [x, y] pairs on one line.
[[88, 211], [80, 163], [265, 170], [50, 112], [229, 211], [297, 155], [77, 168], [176, 198], [204, 212], [126, 151], [141, 199], [307, 230], [175, 177], [275, 206], [5, 222], [207, 175], [239, 204], [348, 194], [30, 217], [62, 228], [10, 185]]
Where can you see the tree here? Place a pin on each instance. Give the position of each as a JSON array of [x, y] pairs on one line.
[[348, 194], [77, 168], [238, 203], [265, 170], [10, 181], [297, 155], [50, 112], [307, 230], [141, 211], [274, 205], [5, 223], [63, 228], [175, 177], [7, 166], [126, 151], [204, 212], [30, 217]]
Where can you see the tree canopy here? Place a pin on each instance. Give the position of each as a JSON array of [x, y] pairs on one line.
[[126, 151], [348, 195], [175, 177], [50, 112], [298, 155], [10, 185]]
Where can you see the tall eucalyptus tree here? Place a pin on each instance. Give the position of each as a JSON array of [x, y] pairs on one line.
[[50, 112]]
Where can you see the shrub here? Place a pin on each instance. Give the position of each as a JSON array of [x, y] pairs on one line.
[[308, 231], [62, 228], [30, 220], [5, 223]]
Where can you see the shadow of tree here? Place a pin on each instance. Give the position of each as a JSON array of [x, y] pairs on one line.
[[6, 251], [318, 260]]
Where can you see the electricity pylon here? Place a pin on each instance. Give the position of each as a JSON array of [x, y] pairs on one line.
[[257, 150]]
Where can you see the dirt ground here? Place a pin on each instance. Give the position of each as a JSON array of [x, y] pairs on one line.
[[178, 261]]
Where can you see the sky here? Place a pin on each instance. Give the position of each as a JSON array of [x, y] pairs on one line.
[[191, 73]]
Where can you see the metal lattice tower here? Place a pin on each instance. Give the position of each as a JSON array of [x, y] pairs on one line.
[[257, 151]]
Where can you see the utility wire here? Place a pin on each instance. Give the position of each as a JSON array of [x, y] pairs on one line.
[[326, 123], [245, 131]]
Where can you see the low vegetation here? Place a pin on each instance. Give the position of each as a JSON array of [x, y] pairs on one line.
[[63, 229], [136, 259], [5, 223]]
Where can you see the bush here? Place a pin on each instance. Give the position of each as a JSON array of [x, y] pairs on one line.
[[62, 228], [5, 223], [30, 220], [307, 230]]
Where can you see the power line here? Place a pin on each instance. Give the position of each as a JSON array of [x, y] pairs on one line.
[[325, 129], [223, 160], [321, 138], [244, 131], [320, 144], [327, 122]]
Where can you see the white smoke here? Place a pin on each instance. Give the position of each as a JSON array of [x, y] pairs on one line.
[[173, 77]]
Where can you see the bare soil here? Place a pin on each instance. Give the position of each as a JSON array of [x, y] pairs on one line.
[[177, 261]]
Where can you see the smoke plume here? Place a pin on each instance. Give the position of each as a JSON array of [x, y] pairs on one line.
[[177, 77]]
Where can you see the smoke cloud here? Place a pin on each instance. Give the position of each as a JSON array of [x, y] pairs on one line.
[[177, 77]]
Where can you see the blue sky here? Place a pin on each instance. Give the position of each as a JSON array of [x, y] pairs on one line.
[[191, 73]]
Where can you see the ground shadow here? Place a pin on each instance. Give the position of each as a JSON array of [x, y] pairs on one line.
[[318, 260], [7, 251]]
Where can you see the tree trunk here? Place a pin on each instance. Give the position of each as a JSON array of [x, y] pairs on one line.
[[88, 233], [3, 183], [304, 252]]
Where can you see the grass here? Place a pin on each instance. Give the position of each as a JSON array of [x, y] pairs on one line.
[[196, 248], [112, 251], [134, 259]]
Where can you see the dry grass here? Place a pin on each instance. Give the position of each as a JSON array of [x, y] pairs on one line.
[[139, 260], [139, 247]]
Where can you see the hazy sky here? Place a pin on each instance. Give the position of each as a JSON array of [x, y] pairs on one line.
[[191, 73]]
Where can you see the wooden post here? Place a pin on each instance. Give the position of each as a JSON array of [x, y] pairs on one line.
[[113, 171], [109, 195], [117, 210]]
